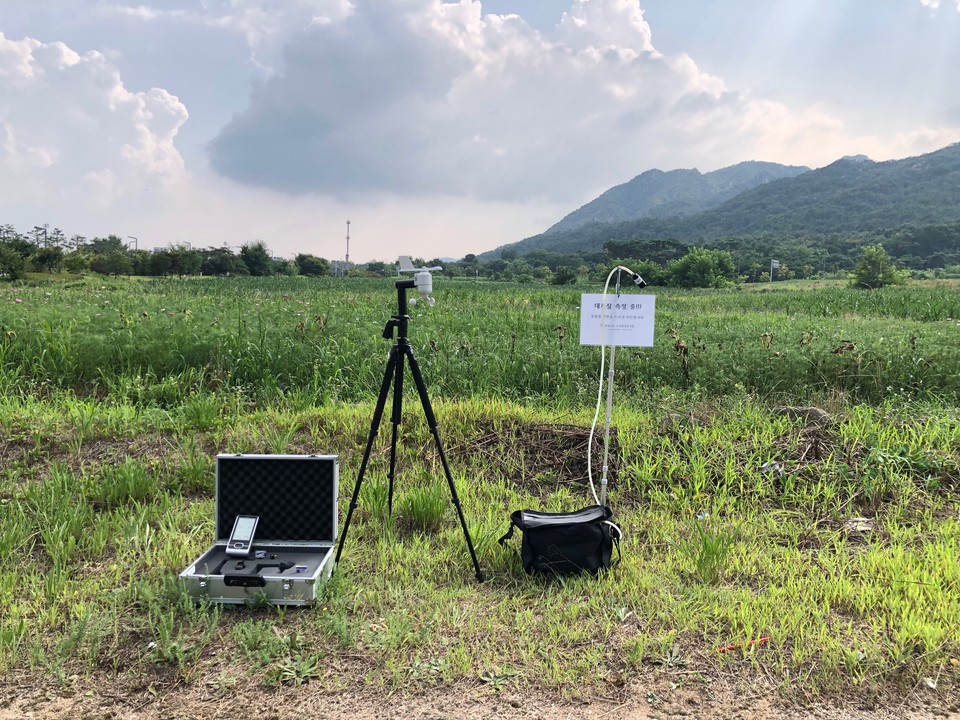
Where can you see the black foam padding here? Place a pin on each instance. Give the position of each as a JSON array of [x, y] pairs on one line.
[[295, 496]]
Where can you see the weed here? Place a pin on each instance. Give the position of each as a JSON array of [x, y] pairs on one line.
[[195, 470], [294, 670], [279, 438], [498, 678], [423, 508], [201, 411], [374, 497], [257, 641], [707, 550], [119, 485], [169, 645]]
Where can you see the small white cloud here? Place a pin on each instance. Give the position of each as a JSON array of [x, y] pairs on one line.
[[935, 4], [140, 12]]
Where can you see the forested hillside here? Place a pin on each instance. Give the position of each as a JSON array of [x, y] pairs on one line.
[[851, 197], [656, 193]]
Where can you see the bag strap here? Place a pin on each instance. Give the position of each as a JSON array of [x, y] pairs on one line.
[[516, 522], [616, 540], [508, 535]]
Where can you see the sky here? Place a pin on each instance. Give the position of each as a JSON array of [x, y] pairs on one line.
[[436, 128]]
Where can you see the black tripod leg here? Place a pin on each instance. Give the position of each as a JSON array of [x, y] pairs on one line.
[[392, 363], [432, 422], [395, 420]]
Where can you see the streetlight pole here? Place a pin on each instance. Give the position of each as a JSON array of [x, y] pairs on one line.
[[135, 241]]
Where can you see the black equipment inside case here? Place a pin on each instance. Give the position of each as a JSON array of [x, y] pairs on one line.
[[295, 499]]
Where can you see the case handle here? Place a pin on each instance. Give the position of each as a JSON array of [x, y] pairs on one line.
[[244, 581]]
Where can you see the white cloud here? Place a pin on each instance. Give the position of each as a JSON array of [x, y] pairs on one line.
[[140, 12], [71, 128], [416, 98], [263, 24], [935, 4], [391, 97]]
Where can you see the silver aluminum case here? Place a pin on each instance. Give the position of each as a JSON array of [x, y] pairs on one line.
[[213, 576]]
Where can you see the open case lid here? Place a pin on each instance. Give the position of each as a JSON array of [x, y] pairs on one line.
[[295, 496]]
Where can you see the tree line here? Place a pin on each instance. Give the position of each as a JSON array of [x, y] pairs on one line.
[[667, 262], [46, 251]]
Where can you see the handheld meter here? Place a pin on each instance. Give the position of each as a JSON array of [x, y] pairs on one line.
[[241, 537]]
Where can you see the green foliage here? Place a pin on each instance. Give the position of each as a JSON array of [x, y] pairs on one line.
[[702, 268], [76, 262], [564, 276], [111, 263], [295, 670], [875, 269], [312, 266], [97, 597], [184, 260], [12, 263], [659, 252], [257, 258], [106, 246], [423, 508], [221, 261], [287, 268], [47, 259]]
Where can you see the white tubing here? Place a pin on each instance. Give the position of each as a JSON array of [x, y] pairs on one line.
[[603, 355], [606, 428]]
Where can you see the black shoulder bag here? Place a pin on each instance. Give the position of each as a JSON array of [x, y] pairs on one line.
[[565, 543]]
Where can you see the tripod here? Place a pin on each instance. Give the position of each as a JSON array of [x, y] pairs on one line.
[[402, 350]]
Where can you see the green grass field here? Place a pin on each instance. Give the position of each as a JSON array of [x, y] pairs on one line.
[[837, 541]]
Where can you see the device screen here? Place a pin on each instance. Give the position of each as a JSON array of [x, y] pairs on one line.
[[243, 531]]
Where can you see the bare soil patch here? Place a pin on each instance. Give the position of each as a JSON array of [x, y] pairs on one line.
[[540, 457], [657, 696]]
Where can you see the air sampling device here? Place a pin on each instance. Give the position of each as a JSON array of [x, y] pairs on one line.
[[583, 541]]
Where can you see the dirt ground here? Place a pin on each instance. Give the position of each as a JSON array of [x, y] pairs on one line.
[[654, 698]]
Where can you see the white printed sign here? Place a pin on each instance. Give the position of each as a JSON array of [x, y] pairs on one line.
[[624, 320]]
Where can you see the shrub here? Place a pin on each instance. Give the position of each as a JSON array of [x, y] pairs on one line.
[[875, 269], [702, 268], [11, 263]]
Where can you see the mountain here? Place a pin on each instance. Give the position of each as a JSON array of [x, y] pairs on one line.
[[657, 193], [853, 194]]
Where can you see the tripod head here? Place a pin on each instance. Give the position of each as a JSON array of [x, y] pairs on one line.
[[398, 323]]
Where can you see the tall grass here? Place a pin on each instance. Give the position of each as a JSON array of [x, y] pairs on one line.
[[157, 342]]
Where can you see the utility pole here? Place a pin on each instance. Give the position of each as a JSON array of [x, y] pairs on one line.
[[348, 243]]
